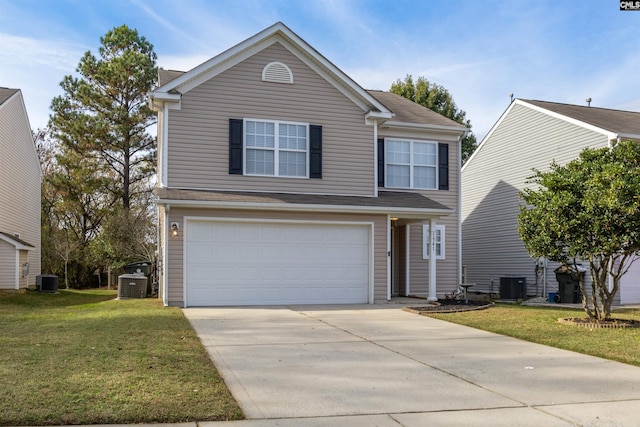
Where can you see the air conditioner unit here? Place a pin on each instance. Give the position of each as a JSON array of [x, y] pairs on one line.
[[47, 283], [132, 286]]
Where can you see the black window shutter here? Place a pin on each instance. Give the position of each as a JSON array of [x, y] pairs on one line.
[[381, 162], [235, 146], [315, 151], [443, 166]]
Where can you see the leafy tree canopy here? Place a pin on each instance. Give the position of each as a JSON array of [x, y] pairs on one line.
[[590, 210], [438, 99]]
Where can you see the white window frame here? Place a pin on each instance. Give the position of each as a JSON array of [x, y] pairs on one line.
[[426, 237], [276, 148], [411, 164]]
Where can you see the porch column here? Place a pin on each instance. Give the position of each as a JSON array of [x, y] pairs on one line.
[[432, 261]]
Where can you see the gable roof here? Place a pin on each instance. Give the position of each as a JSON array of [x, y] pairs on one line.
[[613, 124], [625, 123], [15, 241], [6, 93], [277, 33], [407, 111]]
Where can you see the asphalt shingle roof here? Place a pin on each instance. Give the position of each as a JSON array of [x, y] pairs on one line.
[[618, 121], [6, 93]]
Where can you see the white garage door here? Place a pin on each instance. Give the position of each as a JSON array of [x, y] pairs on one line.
[[267, 263]]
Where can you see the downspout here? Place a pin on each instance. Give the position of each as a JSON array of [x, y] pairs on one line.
[[375, 158], [388, 258], [460, 208]]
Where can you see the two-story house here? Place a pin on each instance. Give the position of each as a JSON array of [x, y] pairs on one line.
[[530, 134], [282, 181], [20, 178]]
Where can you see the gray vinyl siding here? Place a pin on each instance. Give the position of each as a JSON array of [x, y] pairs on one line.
[[176, 244], [491, 182], [198, 137], [7, 265], [19, 182]]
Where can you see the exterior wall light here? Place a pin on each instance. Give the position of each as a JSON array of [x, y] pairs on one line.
[[174, 228]]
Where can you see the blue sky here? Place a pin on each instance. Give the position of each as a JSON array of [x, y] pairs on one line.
[[481, 51]]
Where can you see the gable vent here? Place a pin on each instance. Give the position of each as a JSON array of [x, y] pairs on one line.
[[277, 72]]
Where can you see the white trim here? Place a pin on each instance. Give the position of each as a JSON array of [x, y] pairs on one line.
[[16, 283], [432, 264], [165, 257], [408, 213], [276, 148], [407, 263], [411, 164], [16, 244], [164, 167], [607, 133], [375, 159], [187, 219], [430, 243], [459, 209], [388, 256]]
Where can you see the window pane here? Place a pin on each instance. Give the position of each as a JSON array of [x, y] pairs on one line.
[[260, 134], [293, 137], [397, 151], [424, 177], [292, 163], [424, 153], [260, 162], [398, 176]]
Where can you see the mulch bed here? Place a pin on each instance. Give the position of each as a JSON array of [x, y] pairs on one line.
[[592, 324], [449, 306]]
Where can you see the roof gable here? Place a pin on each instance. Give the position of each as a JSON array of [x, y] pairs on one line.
[[6, 93], [611, 123], [177, 83], [407, 111], [15, 241]]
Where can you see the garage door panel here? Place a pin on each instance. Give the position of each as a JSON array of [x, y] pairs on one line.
[[240, 263]]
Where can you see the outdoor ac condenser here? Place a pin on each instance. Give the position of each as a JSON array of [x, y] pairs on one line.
[[132, 286]]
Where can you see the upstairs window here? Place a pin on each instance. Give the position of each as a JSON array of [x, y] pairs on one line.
[[411, 164], [275, 148]]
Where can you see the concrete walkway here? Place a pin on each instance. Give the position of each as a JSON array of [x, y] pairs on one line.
[[376, 365]]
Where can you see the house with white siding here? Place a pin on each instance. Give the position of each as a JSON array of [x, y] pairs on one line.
[[283, 181], [20, 177], [529, 134]]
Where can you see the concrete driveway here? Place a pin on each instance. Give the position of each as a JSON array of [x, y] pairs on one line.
[[378, 365]]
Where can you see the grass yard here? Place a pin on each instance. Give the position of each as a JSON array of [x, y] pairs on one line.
[[540, 325], [82, 357]]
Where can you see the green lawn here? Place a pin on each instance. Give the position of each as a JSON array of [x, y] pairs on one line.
[[540, 325], [82, 357]]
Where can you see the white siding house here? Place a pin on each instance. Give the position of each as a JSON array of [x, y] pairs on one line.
[[20, 178], [529, 134]]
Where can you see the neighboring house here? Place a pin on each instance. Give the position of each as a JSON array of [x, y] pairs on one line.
[[20, 178], [282, 181], [529, 134]]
